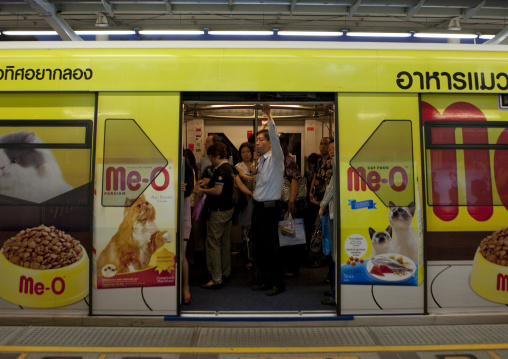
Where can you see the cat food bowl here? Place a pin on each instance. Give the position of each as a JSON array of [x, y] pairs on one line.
[[45, 287], [489, 280]]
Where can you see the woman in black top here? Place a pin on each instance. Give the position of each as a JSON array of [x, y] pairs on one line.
[[219, 202]]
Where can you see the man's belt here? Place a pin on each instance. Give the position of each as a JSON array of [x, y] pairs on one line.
[[267, 204]]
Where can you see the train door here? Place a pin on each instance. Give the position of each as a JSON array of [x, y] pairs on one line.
[[381, 264], [135, 208], [45, 202], [235, 118]]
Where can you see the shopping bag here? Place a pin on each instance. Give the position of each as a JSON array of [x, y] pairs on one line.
[[315, 250], [298, 237], [325, 235], [199, 205]]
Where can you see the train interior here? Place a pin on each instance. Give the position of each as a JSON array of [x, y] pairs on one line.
[[304, 119]]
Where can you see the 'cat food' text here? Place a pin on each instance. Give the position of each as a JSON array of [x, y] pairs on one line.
[[457, 80]]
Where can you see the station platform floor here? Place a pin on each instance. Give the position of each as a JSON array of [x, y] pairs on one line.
[[247, 340]]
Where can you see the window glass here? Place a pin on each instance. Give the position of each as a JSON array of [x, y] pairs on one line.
[[467, 164], [45, 162]]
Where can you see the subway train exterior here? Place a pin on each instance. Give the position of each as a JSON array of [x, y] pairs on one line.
[[91, 139]]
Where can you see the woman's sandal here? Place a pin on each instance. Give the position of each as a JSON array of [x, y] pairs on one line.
[[212, 285], [187, 300]]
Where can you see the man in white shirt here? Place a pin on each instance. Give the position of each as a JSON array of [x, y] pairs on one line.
[[265, 216]]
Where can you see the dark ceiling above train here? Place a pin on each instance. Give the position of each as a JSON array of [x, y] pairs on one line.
[[465, 16]]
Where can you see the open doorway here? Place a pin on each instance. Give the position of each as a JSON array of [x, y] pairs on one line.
[[303, 119]]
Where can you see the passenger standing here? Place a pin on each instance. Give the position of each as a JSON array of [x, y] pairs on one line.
[[219, 202], [326, 205], [312, 209], [291, 255], [323, 173], [206, 170], [265, 216], [189, 155], [187, 187], [247, 173], [204, 164], [321, 180]]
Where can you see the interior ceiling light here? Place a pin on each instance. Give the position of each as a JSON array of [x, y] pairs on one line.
[[106, 32], [487, 37], [447, 36], [171, 32], [379, 34], [309, 33], [244, 33]]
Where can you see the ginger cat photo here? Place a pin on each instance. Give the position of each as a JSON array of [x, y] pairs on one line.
[[135, 241]]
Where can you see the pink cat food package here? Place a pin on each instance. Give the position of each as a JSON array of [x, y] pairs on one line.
[[134, 244]]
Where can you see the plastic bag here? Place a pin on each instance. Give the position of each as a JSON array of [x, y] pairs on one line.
[[199, 205], [297, 238], [287, 226]]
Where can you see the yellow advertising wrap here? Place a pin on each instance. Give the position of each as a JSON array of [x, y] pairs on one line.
[[223, 69], [465, 210], [44, 197], [39, 288], [136, 186], [483, 108], [381, 218]]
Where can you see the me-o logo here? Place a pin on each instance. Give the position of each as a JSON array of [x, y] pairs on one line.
[[28, 286], [502, 282], [397, 179], [118, 179]]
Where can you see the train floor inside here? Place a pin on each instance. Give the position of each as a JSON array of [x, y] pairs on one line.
[[304, 289]]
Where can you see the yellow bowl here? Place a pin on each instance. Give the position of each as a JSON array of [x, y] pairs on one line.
[[44, 288], [489, 280]]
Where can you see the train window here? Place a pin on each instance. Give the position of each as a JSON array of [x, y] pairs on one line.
[[503, 102], [45, 162], [466, 163], [131, 162]]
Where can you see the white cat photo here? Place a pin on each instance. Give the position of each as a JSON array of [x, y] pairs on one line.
[[381, 241], [31, 174], [404, 238]]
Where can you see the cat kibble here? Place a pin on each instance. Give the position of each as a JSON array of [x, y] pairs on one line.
[[42, 248], [494, 248]]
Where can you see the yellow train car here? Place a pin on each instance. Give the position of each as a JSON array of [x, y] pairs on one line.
[[91, 132]]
